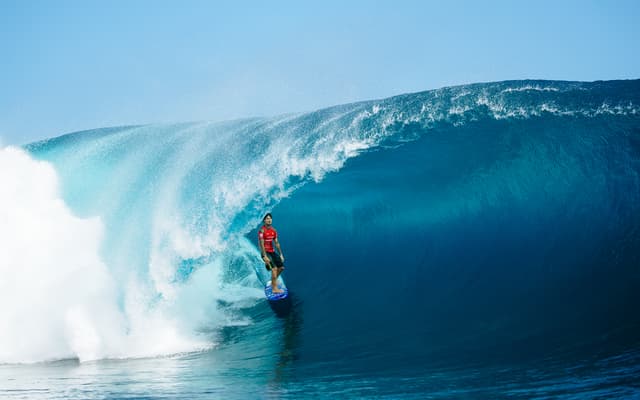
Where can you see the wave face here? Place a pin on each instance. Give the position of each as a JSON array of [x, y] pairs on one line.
[[496, 220]]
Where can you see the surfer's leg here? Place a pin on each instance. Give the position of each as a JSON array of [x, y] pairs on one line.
[[277, 263], [274, 280], [275, 273]]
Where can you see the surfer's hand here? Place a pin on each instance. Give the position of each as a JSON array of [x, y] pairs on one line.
[[265, 259], [282, 258]]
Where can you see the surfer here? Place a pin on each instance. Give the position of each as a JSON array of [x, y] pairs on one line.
[[274, 262]]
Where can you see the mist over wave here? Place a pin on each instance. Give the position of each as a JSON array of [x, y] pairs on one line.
[[59, 298]]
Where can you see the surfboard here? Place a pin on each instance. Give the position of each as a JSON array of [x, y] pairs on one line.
[[275, 296]]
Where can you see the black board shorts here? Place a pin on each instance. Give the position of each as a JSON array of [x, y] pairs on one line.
[[275, 260]]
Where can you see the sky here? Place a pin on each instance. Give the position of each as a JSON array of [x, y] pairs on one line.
[[68, 66]]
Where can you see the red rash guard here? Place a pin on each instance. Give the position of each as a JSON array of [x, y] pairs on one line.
[[268, 235]]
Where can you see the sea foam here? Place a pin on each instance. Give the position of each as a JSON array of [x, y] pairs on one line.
[[58, 299]]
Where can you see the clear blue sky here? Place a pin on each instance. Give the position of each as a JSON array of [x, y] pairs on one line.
[[73, 65]]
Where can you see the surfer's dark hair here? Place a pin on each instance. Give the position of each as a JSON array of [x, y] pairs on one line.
[[267, 215]]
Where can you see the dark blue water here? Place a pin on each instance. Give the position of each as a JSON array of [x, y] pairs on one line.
[[481, 241], [522, 241]]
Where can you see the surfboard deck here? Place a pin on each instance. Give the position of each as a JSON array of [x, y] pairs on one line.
[[275, 296]]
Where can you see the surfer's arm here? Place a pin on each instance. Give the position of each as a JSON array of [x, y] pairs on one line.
[[279, 249], [263, 251]]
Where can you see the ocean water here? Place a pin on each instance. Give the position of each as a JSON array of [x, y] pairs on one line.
[[471, 242]]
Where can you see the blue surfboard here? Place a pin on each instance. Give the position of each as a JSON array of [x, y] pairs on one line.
[[275, 296]]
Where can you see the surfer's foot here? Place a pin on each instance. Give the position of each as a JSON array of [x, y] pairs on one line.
[[276, 290]]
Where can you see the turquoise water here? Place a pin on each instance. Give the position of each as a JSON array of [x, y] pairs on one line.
[[478, 241]]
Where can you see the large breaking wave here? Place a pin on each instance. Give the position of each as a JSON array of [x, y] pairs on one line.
[[466, 219]]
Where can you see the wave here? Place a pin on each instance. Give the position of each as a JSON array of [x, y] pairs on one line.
[[486, 213]]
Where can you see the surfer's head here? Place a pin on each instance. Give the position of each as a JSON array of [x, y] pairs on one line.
[[267, 218]]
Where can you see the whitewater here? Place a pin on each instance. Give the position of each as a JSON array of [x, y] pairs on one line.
[[434, 239]]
